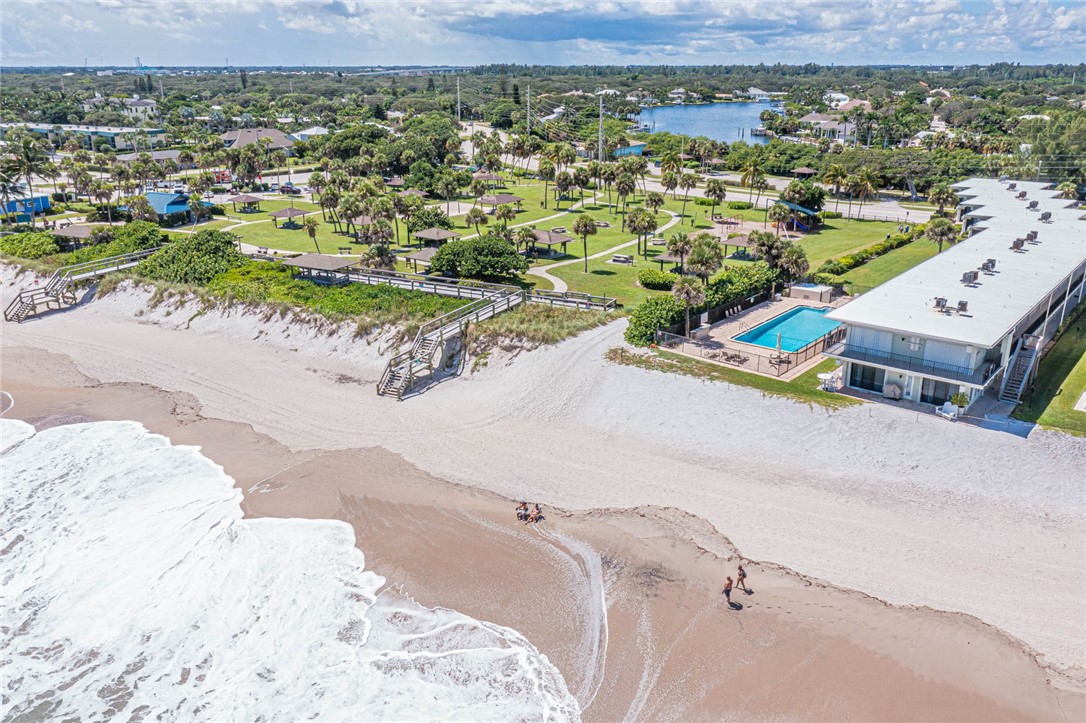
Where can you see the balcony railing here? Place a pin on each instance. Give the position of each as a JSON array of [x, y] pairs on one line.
[[977, 377]]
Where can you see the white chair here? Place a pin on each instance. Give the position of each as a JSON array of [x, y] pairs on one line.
[[949, 410]]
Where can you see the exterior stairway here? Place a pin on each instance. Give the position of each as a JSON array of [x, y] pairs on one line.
[[1018, 375], [57, 293], [407, 367]]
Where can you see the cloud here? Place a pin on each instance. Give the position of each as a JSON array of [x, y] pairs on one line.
[[346, 32]]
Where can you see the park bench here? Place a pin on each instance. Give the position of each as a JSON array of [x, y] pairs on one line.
[[622, 259]]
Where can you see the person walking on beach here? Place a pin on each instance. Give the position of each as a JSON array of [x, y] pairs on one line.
[[728, 590], [741, 579]]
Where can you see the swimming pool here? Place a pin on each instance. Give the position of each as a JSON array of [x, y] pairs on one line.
[[797, 328]]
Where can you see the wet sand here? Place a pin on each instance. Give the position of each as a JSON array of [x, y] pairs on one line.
[[626, 602]]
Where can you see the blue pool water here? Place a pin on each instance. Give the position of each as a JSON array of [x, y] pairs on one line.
[[797, 328]]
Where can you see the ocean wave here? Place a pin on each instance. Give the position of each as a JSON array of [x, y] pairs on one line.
[[133, 587]]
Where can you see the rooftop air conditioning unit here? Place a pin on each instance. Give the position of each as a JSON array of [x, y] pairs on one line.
[[970, 277], [1032, 235], [1032, 206], [1046, 216], [1012, 186], [1018, 244], [963, 306], [988, 266], [1021, 196], [940, 303]]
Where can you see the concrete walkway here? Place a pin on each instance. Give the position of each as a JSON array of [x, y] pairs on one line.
[[560, 285]]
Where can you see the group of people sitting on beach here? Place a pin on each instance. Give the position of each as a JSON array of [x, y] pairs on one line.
[[528, 516]]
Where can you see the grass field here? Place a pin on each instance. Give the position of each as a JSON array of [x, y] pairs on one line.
[[1061, 380], [898, 261], [803, 388], [839, 237]]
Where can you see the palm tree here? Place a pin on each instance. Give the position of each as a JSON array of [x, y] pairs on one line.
[[1068, 189], [670, 163], [563, 183], [687, 181], [9, 185], [867, 186], [778, 213], [584, 227], [505, 213], [716, 190], [546, 171], [942, 196], [624, 186], [379, 256], [766, 246], [836, 174], [654, 200], [852, 183], [524, 236], [670, 181], [643, 222], [751, 172], [475, 217], [794, 261], [103, 193], [689, 293], [679, 244], [141, 209], [706, 257], [941, 231], [195, 205], [310, 224], [608, 174], [28, 159]]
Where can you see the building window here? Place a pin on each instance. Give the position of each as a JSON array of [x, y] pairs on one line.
[[936, 392], [862, 376], [914, 343]]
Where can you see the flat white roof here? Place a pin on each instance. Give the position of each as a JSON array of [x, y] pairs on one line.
[[997, 302], [80, 129]]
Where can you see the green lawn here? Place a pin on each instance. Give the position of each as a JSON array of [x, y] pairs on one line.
[[1061, 380], [803, 388], [886, 267], [839, 237]]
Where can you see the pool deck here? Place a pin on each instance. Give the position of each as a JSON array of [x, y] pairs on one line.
[[718, 338]]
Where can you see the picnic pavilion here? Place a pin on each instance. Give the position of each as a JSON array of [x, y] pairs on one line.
[[289, 214], [320, 268], [739, 242], [803, 172], [412, 192], [487, 176], [550, 239], [424, 256], [395, 182], [249, 204], [500, 199], [435, 236]]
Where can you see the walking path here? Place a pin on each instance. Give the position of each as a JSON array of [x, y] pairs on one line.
[[560, 285]]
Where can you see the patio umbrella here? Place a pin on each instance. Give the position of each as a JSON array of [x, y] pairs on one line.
[[778, 345]]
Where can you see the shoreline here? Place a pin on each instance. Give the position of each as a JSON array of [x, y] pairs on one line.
[[624, 601]]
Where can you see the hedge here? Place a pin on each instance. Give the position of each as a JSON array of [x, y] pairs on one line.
[[838, 266], [655, 279], [740, 205], [196, 259], [829, 214], [732, 284]]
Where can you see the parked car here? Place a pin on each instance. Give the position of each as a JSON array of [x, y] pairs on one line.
[[289, 189]]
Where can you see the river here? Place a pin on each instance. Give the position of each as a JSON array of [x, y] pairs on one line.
[[726, 122]]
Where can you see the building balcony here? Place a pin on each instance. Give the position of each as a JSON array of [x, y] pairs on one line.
[[947, 372]]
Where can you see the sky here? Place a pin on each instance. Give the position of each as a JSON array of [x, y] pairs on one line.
[[548, 32]]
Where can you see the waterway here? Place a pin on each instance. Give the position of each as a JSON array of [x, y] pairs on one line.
[[726, 122]]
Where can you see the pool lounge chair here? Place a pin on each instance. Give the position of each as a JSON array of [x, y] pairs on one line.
[[948, 411]]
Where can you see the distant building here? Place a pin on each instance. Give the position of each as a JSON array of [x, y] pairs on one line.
[[310, 133], [138, 109], [174, 156], [758, 94], [853, 105], [247, 136], [632, 148], [119, 138], [22, 208], [834, 98], [172, 208]]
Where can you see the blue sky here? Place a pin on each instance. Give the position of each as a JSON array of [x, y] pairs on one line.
[[555, 32]]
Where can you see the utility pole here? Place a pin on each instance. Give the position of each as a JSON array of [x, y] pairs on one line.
[[528, 112], [600, 153], [458, 99]]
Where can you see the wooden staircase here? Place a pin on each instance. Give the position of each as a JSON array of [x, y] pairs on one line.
[[57, 292], [405, 368]]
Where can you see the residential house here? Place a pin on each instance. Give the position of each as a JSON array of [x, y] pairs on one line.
[[172, 208], [758, 94], [975, 318], [278, 140], [137, 109], [310, 133]]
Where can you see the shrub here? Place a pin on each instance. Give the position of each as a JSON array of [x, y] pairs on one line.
[[740, 205], [703, 201], [735, 283], [196, 259], [136, 236], [488, 257], [829, 214], [29, 245], [218, 189], [58, 197], [103, 214], [216, 210], [650, 315], [828, 279], [655, 279]]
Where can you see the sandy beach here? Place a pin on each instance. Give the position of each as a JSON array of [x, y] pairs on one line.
[[889, 553]]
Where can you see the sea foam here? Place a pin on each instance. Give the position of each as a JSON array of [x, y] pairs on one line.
[[132, 587]]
